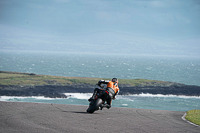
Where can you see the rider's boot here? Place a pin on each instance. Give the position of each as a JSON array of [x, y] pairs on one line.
[[104, 105], [107, 106]]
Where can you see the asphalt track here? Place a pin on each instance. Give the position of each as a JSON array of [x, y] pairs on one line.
[[57, 118]]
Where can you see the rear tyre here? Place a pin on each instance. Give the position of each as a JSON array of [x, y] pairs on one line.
[[95, 106]]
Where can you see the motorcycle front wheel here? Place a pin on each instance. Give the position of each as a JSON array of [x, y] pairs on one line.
[[95, 105]]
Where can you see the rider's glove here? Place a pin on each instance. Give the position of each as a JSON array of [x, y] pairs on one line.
[[100, 81]]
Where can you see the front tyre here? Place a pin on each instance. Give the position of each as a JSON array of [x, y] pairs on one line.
[[95, 106]]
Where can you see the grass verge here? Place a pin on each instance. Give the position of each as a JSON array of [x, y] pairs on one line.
[[193, 116]]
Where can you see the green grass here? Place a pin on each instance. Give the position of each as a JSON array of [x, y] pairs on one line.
[[15, 78], [193, 116], [139, 82]]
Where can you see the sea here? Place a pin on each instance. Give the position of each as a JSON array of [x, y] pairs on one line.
[[180, 69]]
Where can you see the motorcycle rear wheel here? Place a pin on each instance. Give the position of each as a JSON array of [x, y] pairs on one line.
[[95, 106]]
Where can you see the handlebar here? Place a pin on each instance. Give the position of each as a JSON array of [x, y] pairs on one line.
[[100, 86]]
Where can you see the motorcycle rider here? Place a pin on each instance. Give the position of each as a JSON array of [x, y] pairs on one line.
[[112, 89]]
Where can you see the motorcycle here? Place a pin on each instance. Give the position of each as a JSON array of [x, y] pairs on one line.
[[99, 101]]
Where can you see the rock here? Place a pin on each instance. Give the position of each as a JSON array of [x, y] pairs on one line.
[[54, 91]]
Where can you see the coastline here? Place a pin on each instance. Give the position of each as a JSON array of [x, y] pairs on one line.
[[55, 88], [54, 91]]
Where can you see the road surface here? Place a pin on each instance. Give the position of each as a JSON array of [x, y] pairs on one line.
[[18, 117]]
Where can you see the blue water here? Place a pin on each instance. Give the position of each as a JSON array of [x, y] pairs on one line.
[[176, 69], [143, 101], [167, 68]]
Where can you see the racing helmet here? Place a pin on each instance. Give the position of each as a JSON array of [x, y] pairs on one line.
[[115, 80]]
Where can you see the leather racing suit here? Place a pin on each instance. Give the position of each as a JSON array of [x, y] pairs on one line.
[[112, 88]]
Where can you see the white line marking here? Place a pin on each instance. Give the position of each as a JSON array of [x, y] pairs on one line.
[[183, 117]]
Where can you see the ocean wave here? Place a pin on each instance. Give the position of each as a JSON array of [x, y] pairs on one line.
[[79, 95], [85, 96], [17, 98], [124, 105], [161, 95], [145, 101], [88, 95]]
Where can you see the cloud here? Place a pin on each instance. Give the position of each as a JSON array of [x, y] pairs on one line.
[[61, 1], [166, 18]]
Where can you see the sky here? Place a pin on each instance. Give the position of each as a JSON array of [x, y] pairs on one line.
[[125, 26]]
